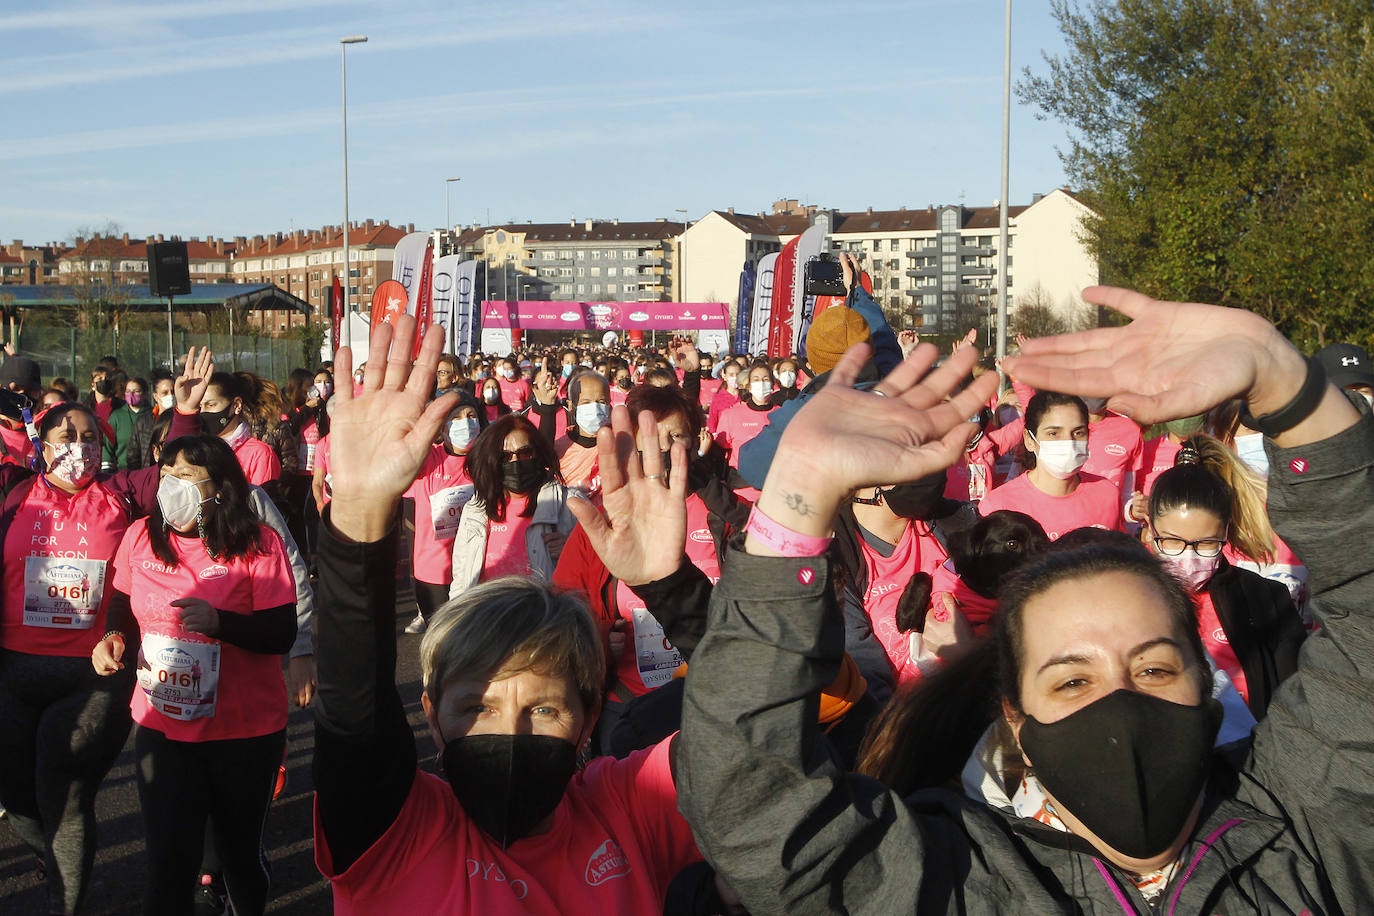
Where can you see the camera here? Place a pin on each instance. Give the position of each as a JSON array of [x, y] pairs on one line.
[[824, 277]]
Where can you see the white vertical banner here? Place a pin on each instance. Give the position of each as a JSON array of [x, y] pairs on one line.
[[763, 304], [444, 291], [811, 244], [408, 263], [464, 327]]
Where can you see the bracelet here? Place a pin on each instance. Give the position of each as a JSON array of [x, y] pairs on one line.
[[110, 633], [784, 540], [1304, 403]]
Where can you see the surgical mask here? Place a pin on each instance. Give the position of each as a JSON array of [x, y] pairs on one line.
[[759, 391], [1192, 570], [732, 382], [76, 463], [322, 390], [1250, 449], [508, 373], [179, 500], [591, 417], [481, 375], [491, 396], [167, 401], [216, 421], [1061, 458], [461, 431], [522, 475], [567, 371], [1185, 427], [508, 784], [134, 398], [1110, 766], [787, 379]]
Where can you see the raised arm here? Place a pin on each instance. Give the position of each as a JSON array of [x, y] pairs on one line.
[[770, 804]]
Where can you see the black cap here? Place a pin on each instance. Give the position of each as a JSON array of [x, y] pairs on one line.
[[22, 371], [1346, 364]]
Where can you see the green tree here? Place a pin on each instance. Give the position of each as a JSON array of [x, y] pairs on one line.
[[1225, 148]]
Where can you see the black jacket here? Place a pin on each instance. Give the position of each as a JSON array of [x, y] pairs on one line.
[[1262, 626]]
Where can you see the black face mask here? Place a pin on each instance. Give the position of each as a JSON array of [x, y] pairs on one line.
[[1129, 766], [507, 784], [623, 384], [522, 475], [105, 387], [215, 421], [917, 499]]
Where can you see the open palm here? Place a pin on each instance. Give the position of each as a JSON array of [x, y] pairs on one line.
[[641, 533]]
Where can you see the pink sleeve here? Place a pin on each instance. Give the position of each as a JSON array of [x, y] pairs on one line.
[[1024, 393], [1007, 438], [644, 782], [273, 584], [122, 580]]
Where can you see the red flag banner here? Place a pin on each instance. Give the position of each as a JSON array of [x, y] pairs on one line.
[[424, 303], [780, 320], [389, 302], [337, 309]]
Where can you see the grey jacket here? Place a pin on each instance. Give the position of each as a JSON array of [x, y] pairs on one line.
[[470, 541], [1291, 832], [267, 513]]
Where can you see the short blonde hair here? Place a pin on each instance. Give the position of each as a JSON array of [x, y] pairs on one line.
[[509, 625]]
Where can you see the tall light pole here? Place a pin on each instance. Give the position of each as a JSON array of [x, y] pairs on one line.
[[347, 267], [681, 273], [448, 220], [1004, 238]]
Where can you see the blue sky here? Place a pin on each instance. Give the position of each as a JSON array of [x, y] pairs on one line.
[[221, 117]]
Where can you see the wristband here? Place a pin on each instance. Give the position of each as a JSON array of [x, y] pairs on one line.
[[1308, 398], [783, 540], [110, 633]]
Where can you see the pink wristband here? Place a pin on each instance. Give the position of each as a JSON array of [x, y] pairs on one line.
[[784, 540]]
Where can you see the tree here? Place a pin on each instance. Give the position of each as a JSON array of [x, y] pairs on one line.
[[91, 271], [1225, 147]]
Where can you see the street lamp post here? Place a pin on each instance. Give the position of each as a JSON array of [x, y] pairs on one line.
[[681, 273], [1003, 238], [448, 220], [347, 267]]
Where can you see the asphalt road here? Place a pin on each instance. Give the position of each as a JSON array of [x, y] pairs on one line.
[[120, 873]]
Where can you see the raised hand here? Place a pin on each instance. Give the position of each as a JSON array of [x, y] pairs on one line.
[[843, 439], [641, 534], [545, 387], [190, 386], [685, 355], [380, 438], [907, 340], [965, 341]]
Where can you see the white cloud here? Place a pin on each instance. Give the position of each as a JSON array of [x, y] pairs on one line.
[[87, 16]]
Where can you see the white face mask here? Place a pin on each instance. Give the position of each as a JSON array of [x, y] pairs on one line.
[[731, 382], [322, 390], [759, 391], [76, 463], [787, 379], [1061, 458], [1192, 570], [490, 396], [1250, 449], [180, 501], [591, 417], [508, 373], [461, 432], [167, 401]]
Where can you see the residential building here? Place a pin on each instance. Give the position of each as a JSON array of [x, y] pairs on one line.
[[125, 260]]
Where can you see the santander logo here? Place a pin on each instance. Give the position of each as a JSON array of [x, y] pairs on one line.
[[609, 861]]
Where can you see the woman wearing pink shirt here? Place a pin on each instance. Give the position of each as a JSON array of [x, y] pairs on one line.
[[745, 420], [516, 391], [512, 676], [224, 413], [1054, 491], [728, 395], [492, 406]]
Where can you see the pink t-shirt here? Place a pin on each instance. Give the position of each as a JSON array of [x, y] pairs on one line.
[[738, 425], [322, 464], [917, 551], [649, 658], [709, 387], [1284, 568], [976, 475], [617, 396], [1217, 645], [440, 491], [17, 444], [725, 399], [306, 448], [1093, 504], [507, 554], [259, 462], [193, 687], [579, 465], [615, 843], [1114, 447], [1156, 457], [56, 574], [516, 393]]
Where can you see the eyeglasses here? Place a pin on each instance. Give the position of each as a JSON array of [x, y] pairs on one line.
[[1205, 547], [524, 452]]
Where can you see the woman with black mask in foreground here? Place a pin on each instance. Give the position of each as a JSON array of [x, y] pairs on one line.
[[512, 678], [1103, 682]]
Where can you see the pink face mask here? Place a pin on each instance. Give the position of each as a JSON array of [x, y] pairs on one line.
[[1192, 570]]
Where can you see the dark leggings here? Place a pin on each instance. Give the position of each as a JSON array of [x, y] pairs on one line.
[[61, 728], [429, 597], [184, 784]]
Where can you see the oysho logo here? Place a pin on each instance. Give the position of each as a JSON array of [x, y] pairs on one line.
[[214, 572], [65, 575], [607, 862], [175, 658]]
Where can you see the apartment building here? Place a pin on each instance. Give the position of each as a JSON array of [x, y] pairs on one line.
[[125, 260], [30, 265]]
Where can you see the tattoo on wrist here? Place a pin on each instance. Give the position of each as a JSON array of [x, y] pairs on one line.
[[797, 503]]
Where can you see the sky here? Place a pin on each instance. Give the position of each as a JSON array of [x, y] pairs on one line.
[[223, 117]]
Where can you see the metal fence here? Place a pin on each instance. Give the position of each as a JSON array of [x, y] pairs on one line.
[[72, 353]]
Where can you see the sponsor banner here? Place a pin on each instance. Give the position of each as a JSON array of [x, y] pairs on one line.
[[545, 315], [714, 341], [763, 306], [388, 302], [463, 323], [338, 308], [744, 310], [424, 301], [497, 341], [780, 316], [408, 264], [809, 244]]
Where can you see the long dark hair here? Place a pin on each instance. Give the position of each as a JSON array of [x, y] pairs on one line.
[[486, 460], [297, 387], [231, 531]]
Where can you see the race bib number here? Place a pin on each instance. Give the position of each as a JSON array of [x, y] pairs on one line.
[[62, 593], [305, 456], [446, 508], [977, 482], [180, 677], [655, 656]]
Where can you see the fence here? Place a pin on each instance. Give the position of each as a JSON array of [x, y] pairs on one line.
[[72, 353]]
